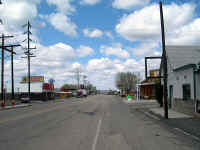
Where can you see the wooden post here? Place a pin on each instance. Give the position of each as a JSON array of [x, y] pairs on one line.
[[164, 59]]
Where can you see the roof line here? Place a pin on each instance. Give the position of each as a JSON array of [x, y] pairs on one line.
[[194, 66]]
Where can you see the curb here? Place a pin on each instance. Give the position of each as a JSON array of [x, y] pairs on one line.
[[16, 106], [157, 115]]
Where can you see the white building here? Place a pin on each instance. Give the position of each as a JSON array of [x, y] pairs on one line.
[[183, 77], [36, 87]]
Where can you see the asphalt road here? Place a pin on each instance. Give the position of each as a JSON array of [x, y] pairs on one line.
[[95, 123]]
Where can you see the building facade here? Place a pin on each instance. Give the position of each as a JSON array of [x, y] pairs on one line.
[[148, 86], [183, 77]]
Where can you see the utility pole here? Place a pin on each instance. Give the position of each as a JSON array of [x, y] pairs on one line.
[[12, 77], [12, 74], [164, 59], [2, 69], [28, 56], [85, 81], [77, 76], [2, 73], [12, 68]]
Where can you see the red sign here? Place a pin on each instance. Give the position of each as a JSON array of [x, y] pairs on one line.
[[48, 87]]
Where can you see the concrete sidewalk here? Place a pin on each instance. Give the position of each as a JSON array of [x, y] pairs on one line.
[[139, 102], [142, 103], [171, 113], [15, 106], [178, 121]]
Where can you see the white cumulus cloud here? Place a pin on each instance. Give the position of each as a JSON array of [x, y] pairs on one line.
[[95, 33], [129, 4], [104, 70], [146, 48], [84, 51], [109, 34], [185, 35], [63, 23], [59, 52], [18, 12], [115, 50], [63, 6], [90, 2], [144, 24]]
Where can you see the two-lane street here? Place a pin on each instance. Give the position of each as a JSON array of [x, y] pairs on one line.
[[101, 122]]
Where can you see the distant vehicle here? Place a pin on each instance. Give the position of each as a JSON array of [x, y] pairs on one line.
[[79, 94], [74, 94], [84, 92], [116, 93], [25, 100]]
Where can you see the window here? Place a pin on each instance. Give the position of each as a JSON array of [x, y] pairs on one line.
[[177, 78], [186, 92]]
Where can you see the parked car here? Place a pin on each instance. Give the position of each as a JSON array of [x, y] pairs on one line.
[[74, 94], [79, 94], [25, 100], [84, 92]]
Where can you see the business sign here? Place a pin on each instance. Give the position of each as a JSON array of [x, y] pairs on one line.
[[36, 87], [51, 81], [33, 79]]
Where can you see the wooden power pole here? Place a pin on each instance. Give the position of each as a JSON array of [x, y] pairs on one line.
[[164, 60], [12, 68], [2, 68], [12, 73]]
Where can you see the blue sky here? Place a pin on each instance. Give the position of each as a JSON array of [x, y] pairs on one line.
[[100, 37]]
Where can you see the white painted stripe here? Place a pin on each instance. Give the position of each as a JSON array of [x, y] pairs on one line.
[[188, 134], [97, 135], [152, 116]]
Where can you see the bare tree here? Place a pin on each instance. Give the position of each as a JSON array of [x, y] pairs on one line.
[[126, 81]]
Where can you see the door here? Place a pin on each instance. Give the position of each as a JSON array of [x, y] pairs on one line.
[[170, 95]]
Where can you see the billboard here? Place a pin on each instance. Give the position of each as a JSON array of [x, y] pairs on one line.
[[36, 87], [33, 79]]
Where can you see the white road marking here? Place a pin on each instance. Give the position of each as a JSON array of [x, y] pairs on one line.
[[152, 116], [188, 134], [97, 134]]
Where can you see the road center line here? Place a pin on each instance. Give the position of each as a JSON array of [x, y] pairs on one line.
[[97, 134]]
